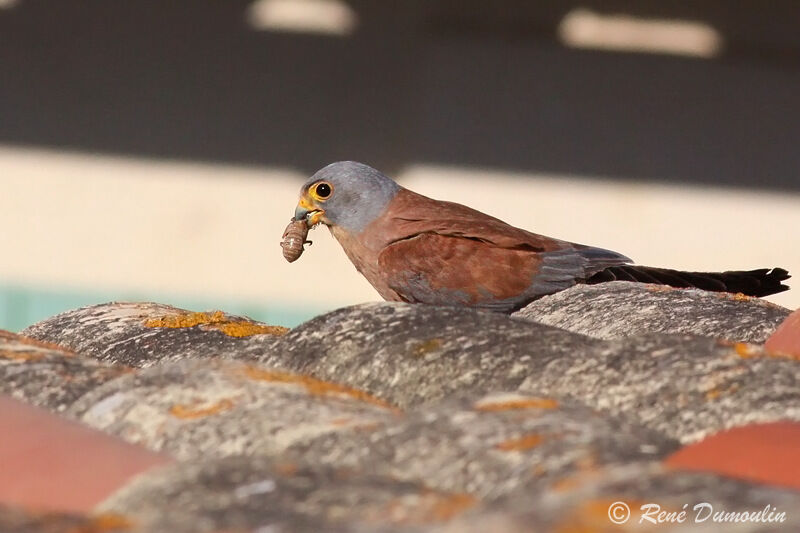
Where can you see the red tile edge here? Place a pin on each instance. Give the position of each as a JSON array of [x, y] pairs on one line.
[[763, 453], [786, 339], [54, 464]]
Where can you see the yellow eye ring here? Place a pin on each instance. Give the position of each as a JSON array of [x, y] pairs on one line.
[[321, 191]]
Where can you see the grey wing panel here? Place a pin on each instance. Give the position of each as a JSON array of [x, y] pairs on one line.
[[561, 269], [597, 259]]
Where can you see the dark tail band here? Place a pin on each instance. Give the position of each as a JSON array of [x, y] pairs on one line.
[[761, 282]]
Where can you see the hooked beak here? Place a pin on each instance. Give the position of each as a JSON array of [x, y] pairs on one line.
[[305, 210]]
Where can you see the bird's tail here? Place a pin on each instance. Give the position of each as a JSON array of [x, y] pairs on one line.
[[761, 282]]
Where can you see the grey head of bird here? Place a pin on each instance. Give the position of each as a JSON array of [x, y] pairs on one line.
[[346, 194]]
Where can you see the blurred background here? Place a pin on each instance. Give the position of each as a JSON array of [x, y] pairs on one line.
[[154, 150]]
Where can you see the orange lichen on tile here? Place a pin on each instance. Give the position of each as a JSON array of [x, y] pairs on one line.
[[368, 426], [247, 329], [517, 403], [447, 506], [285, 468], [21, 339], [216, 320], [190, 412], [21, 355], [566, 484], [315, 386], [745, 350], [426, 347], [782, 355], [103, 523], [716, 392], [750, 351], [355, 423], [186, 320], [428, 506], [713, 394], [652, 287], [520, 444], [586, 473], [738, 297]]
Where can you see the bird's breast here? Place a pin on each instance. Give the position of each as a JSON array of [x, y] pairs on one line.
[[365, 259]]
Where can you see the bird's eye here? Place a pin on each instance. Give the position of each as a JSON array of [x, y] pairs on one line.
[[323, 190]]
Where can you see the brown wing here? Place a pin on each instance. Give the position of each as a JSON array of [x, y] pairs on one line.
[[412, 214], [448, 254], [446, 270]]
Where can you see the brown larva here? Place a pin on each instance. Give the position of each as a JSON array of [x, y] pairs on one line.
[[294, 238]]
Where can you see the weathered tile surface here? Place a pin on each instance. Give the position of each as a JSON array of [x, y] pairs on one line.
[[584, 503], [198, 409], [14, 520], [622, 309], [247, 493], [489, 446], [47, 375], [416, 354], [406, 418], [685, 387], [144, 334]]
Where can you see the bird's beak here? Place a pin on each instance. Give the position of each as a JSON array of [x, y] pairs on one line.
[[308, 211]]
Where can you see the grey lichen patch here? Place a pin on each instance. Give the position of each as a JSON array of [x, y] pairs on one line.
[[622, 309], [48, 375], [144, 334], [247, 493], [686, 387], [489, 452], [417, 354], [211, 408]]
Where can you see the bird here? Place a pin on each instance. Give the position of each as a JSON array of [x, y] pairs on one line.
[[416, 249]]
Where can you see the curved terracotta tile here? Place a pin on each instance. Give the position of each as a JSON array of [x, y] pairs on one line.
[[786, 339], [764, 453], [53, 464]]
